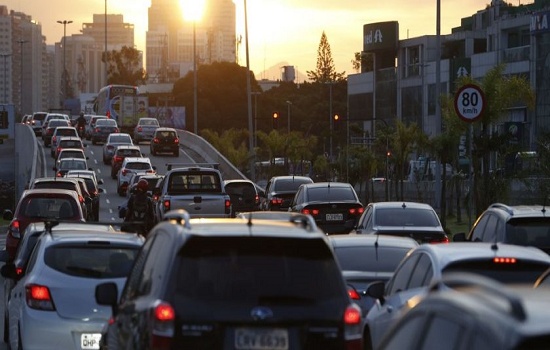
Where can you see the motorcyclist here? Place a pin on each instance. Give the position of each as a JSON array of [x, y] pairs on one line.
[[140, 209], [81, 124]]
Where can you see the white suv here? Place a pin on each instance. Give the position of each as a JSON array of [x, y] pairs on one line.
[[132, 165]]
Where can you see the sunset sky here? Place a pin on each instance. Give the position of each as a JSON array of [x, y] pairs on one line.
[[280, 31]]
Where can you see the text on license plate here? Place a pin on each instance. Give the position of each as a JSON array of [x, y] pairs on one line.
[[90, 340], [260, 339], [334, 217]]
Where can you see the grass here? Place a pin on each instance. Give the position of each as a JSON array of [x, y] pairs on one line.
[[455, 227]]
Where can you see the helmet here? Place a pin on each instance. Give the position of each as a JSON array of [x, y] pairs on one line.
[[142, 185], [81, 114]]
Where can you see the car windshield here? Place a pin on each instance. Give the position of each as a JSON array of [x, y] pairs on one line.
[[330, 193], [405, 217], [529, 231], [105, 122], [289, 185], [91, 261], [257, 270], [120, 139], [72, 164], [511, 272], [49, 207], [128, 152]]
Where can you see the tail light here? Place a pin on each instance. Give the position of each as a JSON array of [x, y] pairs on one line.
[[108, 114], [140, 129], [151, 171], [18, 271], [38, 297], [499, 260], [166, 205], [156, 140], [353, 294], [80, 199], [228, 206], [444, 239], [312, 212], [94, 193], [118, 159], [257, 199], [276, 201], [54, 138], [59, 174], [96, 129], [59, 149], [176, 141], [356, 211], [352, 328], [163, 322], [14, 229], [155, 197]]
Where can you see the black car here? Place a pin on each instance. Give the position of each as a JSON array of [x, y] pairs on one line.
[[335, 206], [280, 191], [244, 195], [232, 283], [165, 140], [93, 187]]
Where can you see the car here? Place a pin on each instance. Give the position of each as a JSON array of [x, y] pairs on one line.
[[90, 125], [335, 206], [120, 153], [145, 129], [244, 195], [93, 187], [131, 165], [527, 225], [102, 129], [23, 253], [88, 199], [26, 119], [36, 122], [412, 219], [477, 313], [507, 263], [113, 141], [66, 164], [51, 116], [280, 191], [39, 205], [231, 281], [62, 131], [48, 133], [59, 286], [71, 153], [365, 259], [68, 142], [65, 184], [165, 140]]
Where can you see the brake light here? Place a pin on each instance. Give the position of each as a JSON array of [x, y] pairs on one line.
[[14, 229], [96, 129], [155, 140], [166, 205], [80, 199], [312, 212], [356, 211], [59, 174], [440, 240], [353, 294], [177, 141], [276, 201], [38, 297], [54, 138], [140, 129], [352, 328], [227, 206], [163, 322], [498, 260], [116, 130], [18, 271], [108, 114], [118, 159], [256, 199]]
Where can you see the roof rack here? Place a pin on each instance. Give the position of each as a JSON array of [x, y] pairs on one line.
[[181, 216], [503, 206], [170, 166], [465, 279]]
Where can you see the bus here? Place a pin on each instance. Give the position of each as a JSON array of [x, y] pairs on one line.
[[109, 97]]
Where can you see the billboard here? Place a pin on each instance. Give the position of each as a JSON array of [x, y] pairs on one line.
[[381, 36]]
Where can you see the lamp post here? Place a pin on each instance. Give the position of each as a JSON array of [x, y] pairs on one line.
[[64, 76], [255, 93], [195, 86], [288, 115], [105, 50], [21, 42], [330, 120], [5, 56]]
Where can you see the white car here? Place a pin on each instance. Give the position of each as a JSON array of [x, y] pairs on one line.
[[130, 166], [52, 305], [61, 131]]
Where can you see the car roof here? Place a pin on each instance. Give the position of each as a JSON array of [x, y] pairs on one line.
[[49, 191], [79, 150], [326, 184], [51, 179], [519, 211], [163, 128], [76, 236], [146, 118], [76, 226], [290, 177], [404, 205], [82, 172], [459, 251], [128, 146], [340, 241]]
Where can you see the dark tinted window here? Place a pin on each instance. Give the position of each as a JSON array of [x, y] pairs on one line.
[[330, 193], [120, 139], [50, 207], [165, 134], [70, 144], [128, 152], [71, 154], [56, 184], [529, 231], [406, 217], [191, 181], [39, 116], [105, 122], [138, 165], [400, 279], [91, 261], [65, 132], [367, 258], [289, 185], [518, 272], [259, 270], [72, 164], [240, 188], [422, 273]]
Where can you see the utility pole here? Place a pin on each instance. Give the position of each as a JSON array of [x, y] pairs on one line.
[[21, 42], [64, 75]]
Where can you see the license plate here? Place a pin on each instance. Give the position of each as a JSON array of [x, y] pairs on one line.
[[334, 217], [261, 339], [90, 340]]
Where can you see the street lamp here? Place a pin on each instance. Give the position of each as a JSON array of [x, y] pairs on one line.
[[255, 94], [330, 118], [5, 56], [288, 115], [64, 76], [21, 42], [192, 11]]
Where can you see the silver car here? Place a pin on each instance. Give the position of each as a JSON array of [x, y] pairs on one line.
[[113, 141], [53, 305], [145, 129]]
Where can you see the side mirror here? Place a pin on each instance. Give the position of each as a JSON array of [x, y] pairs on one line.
[[107, 294], [7, 215], [376, 290], [8, 271]]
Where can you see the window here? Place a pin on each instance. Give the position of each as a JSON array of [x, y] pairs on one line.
[[422, 273], [400, 279], [477, 233]]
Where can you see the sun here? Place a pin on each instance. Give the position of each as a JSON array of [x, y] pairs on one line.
[[192, 9]]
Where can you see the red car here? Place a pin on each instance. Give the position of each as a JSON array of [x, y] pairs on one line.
[[38, 205]]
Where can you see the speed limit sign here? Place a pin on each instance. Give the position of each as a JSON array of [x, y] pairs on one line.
[[469, 103]]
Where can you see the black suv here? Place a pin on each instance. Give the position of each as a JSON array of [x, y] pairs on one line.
[[476, 313], [165, 140], [244, 195], [233, 284], [280, 191], [526, 225]]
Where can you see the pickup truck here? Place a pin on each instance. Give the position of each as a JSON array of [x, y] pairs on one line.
[[198, 189]]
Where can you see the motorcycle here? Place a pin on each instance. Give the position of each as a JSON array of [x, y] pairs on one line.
[[81, 131]]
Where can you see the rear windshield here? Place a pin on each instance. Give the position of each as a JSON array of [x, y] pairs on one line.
[[56, 184], [91, 261], [128, 152], [120, 139], [240, 189], [50, 207], [259, 270], [529, 231], [192, 182], [166, 134], [520, 271], [71, 154], [71, 144], [105, 122], [39, 116], [405, 217], [71, 164], [382, 259], [138, 165], [327, 193], [65, 132], [289, 185]]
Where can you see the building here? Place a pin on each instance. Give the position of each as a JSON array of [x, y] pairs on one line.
[[518, 36], [118, 33], [170, 39]]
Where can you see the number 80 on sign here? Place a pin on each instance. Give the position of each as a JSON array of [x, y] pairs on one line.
[[469, 103]]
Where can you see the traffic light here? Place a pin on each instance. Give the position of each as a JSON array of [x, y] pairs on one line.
[[336, 122], [3, 119], [275, 120]]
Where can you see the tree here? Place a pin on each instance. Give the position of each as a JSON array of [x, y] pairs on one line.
[[325, 71], [124, 67], [363, 61]]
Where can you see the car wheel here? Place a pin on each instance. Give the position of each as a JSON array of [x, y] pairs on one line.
[[367, 341]]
